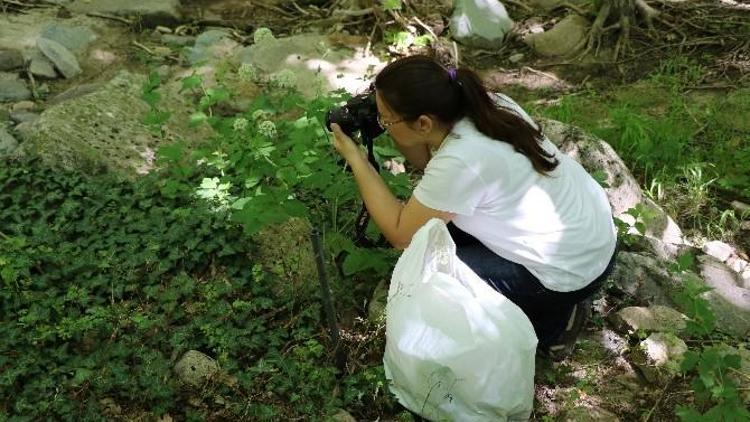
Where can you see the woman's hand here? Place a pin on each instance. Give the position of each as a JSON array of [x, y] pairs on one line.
[[345, 146]]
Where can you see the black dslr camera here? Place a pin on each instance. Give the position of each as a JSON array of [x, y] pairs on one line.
[[359, 114]]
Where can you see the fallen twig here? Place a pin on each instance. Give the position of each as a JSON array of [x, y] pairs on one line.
[[359, 12], [111, 17], [146, 49]]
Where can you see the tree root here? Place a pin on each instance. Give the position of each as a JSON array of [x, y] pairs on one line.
[[623, 13]]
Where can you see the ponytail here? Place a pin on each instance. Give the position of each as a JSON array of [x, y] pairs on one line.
[[418, 85]]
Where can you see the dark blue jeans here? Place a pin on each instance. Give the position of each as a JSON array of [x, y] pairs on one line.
[[548, 310]]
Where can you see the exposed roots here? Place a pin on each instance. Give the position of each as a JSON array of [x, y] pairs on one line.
[[622, 15]]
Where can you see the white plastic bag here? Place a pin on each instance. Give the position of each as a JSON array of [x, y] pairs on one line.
[[456, 349]]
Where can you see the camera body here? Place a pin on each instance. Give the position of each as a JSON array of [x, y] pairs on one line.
[[359, 114]]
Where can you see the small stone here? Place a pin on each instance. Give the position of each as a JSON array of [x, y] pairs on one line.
[[652, 318], [718, 250], [23, 105], [110, 406], [41, 67], [195, 368], [662, 348], [60, 56], [74, 38], [612, 341], [516, 58], [736, 263], [12, 88], [22, 116], [8, 143], [745, 278], [741, 207], [180, 40], [343, 416], [10, 59]]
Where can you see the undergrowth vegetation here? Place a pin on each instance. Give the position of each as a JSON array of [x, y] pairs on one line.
[[687, 145], [106, 283]]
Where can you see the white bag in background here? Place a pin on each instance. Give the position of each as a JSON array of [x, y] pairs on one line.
[[456, 349]]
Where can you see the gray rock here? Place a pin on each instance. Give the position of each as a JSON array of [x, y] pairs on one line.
[[104, 130], [718, 250], [343, 416], [565, 38], [23, 116], [8, 143], [480, 24], [652, 318], [741, 207], [515, 58], [588, 413], [211, 45], [661, 356], [60, 56], [12, 88], [644, 279], [318, 67], [613, 342], [181, 40], [10, 59], [41, 67], [74, 38], [729, 301], [196, 368], [596, 156], [150, 13]]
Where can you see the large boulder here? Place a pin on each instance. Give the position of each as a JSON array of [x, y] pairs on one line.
[[480, 23], [663, 236], [317, 65], [597, 157], [104, 129]]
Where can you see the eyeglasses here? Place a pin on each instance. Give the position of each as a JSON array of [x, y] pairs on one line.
[[386, 125]]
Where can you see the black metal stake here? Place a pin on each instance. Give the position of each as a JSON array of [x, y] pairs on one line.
[[338, 351]]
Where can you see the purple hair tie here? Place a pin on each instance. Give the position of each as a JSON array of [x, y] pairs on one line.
[[452, 74]]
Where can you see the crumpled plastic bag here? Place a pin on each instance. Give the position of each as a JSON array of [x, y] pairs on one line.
[[456, 349]]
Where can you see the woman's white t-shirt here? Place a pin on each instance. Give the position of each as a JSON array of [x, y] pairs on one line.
[[558, 226]]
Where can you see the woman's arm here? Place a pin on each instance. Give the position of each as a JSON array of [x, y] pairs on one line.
[[417, 155]]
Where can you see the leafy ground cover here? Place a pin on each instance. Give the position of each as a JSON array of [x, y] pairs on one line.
[[686, 145]]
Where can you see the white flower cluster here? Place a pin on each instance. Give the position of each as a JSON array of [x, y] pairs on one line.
[[261, 115], [267, 128], [239, 124], [262, 34], [247, 72], [284, 79]]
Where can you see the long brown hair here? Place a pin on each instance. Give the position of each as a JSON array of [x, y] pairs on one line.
[[417, 85]]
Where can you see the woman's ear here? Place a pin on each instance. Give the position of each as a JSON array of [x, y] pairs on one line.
[[425, 124]]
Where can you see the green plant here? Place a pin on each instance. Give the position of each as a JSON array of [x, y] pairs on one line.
[[709, 364]]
